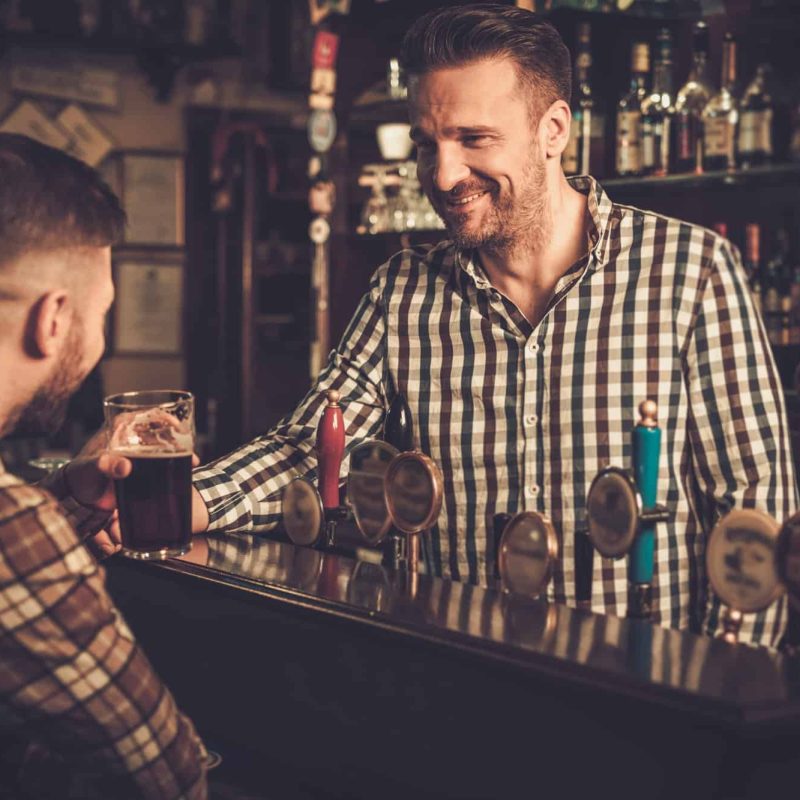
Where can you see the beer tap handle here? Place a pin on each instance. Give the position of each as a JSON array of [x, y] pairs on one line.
[[398, 428], [330, 450], [646, 452]]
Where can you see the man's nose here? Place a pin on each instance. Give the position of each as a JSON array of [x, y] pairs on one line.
[[450, 168]]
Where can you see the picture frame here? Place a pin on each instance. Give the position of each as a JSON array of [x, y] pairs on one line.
[[150, 184], [148, 309]]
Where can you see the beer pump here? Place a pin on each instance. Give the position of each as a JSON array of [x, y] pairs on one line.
[[526, 548], [311, 516], [622, 511], [742, 566], [751, 560]]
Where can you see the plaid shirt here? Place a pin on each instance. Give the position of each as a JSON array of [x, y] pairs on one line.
[[520, 417], [71, 674]]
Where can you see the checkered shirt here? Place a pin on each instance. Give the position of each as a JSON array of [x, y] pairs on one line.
[[72, 678], [522, 417]]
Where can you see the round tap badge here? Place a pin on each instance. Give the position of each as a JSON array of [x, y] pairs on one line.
[[413, 488], [613, 506], [321, 129], [368, 464], [787, 556], [319, 230], [740, 560], [302, 512], [528, 550]]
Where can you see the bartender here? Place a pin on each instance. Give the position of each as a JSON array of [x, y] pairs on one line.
[[526, 341]]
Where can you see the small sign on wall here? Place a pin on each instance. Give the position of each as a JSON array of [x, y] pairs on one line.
[[70, 81], [151, 189], [148, 307], [28, 119]]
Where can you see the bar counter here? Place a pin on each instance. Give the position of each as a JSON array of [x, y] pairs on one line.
[[316, 675]]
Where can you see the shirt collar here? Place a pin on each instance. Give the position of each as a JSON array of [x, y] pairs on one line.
[[601, 221]]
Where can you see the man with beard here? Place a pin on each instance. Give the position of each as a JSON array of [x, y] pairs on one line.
[[525, 343], [78, 699]]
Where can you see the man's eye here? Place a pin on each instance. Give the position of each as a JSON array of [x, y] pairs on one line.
[[475, 139]]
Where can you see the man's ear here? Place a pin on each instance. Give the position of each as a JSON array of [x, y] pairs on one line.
[[556, 121], [49, 321]]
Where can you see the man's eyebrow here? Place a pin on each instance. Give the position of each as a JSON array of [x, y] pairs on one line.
[[462, 130]]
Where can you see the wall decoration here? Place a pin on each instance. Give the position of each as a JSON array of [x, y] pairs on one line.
[[67, 81], [148, 311], [88, 142], [28, 119], [151, 188]]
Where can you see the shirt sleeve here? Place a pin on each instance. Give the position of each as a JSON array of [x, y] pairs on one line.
[[738, 430], [242, 490], [71, 669]]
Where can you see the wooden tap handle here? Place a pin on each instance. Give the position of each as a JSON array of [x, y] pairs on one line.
[[330, 450]]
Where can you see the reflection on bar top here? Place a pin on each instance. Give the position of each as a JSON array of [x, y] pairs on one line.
[[740, 683]]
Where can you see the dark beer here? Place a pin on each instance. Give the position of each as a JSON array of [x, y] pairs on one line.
[[155, 505]]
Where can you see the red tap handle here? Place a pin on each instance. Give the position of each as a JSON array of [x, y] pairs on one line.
[[330, 449]]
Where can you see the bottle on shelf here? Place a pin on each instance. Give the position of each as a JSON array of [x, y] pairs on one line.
[[689, 105], [794, 140], [629, 114], [755, 121], [577, 158], [794, 307], [721, 115], [658, 110], [752, 261], [776, 290]]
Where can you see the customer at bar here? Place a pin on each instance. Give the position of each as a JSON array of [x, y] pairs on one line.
[[526, 341], [82, 714]]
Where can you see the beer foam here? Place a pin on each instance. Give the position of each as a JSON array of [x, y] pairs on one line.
[[150, 432]]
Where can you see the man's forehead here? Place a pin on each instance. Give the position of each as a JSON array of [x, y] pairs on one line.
[[479, 84]]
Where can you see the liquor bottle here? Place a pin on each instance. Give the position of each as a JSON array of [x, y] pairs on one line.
[[794, 313], [721, 115], [658, 110], [577, 158], [691, 100], [794, 142], [752, 261], [777, 287], [629, 114], [755, 121]]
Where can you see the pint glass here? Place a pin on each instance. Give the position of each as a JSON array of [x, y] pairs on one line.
[[155, 430]]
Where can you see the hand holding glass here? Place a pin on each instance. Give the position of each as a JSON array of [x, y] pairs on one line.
[[155, 431]]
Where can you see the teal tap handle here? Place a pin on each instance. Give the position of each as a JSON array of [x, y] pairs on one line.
[[646, 452]]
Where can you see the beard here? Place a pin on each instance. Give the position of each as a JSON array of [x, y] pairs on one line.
[[511, 223], [45, 412]]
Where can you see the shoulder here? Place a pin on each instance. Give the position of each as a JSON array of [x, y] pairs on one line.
[[33, 530], [672, 244], [407, 268]]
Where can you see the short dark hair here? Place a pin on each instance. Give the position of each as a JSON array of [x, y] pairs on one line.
[[457, 35], [49, 201]]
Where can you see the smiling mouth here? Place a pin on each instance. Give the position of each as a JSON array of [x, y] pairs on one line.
[[464, 201]]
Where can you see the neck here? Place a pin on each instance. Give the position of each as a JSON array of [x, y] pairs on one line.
[[528, 270]]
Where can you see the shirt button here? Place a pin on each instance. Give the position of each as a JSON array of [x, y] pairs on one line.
[[533, 347], [531, 419], [533, 491]]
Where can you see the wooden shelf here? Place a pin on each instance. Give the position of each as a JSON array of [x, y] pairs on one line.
[[771, 173]]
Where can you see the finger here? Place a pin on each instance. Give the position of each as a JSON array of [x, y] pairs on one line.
[[114, 465], [102, 545]]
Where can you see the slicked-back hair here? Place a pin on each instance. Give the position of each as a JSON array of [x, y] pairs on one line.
[[49, 201], [458, 35]]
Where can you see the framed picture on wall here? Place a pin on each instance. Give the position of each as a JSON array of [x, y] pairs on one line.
[[151, 186], [148, 310]]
